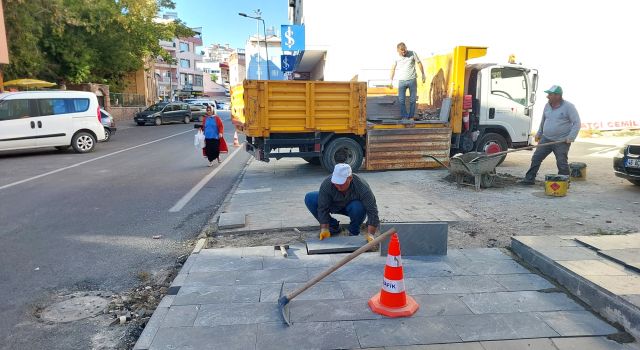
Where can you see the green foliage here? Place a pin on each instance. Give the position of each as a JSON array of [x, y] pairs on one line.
[[76, 41]]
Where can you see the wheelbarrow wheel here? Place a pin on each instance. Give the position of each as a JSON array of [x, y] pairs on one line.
[[487, 180]]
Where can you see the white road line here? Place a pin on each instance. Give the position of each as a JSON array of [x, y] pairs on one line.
[[89, 161], [187, 197]]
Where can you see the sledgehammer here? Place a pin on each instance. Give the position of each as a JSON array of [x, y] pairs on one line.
[[283, 301]]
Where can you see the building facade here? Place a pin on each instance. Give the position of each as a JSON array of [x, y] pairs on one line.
[[256, 58], [237, 68]]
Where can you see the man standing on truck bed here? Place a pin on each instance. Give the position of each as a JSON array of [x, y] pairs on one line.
[[406, 65], [347, 194], [560, 122]]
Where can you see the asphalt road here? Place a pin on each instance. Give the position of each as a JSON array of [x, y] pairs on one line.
[[74, 222]]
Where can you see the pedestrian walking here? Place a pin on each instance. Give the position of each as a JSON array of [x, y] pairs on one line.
[[406, 66], [346, 194], [560, 122], [213, 137]]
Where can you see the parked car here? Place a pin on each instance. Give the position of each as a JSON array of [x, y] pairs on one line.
[[204, 102], [626, 164], [223, 104], [163, 112], [60, 119], [197, 111], [108, 123]]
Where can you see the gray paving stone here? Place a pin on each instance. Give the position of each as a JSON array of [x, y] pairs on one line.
[[627, 257], [611, 242], [547, 241], [485, 254], [522, 281], [180, 279], [221, 252], [339, 244], [405, 331], [217, 294], [440, 305], [272, 276], [320, 291], [213, 264], [231, 220], [180, 316], [500, 326], [292, 261], [428, 269], [453, 285], [362, 289], [307, 335], [237, 337], [166, 301], [523, 301], [593, 268], [151, 329], [451, 346], [206, 279], [428, 238], [569, 253], [330, 310], [368, 258], [351, 272], [528, 344], [633, 299], [264, 251], [236, 314], [587, 343], [576, 323], [493, 267], [620, 285]]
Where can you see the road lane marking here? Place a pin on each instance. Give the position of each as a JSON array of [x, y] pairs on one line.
[[88, 161], [187, 197]]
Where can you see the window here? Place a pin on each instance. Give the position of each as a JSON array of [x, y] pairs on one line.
[[52, 106], [168, 74], [183, 78], [198, 80], [14, 109], [190, 79], [509, 83], [184, 47], [185, 63]]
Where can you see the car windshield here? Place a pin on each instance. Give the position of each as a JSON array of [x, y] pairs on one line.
[[156, 107]]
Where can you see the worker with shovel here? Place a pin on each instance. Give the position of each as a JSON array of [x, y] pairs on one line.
[[560, 122], [346, 194]]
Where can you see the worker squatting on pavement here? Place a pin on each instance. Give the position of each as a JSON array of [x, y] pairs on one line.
[[406, 65], [560, 122], [346, 194]]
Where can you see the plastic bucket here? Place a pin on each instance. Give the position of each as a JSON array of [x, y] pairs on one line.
[[578, 171], [556, 185]]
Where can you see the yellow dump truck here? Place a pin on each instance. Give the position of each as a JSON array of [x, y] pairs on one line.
[[461, 107]]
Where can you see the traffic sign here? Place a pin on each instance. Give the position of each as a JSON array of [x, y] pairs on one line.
[[287, 62]]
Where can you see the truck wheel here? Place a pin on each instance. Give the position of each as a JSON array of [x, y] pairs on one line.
[[312, 160], [492, 143], [342, 150]]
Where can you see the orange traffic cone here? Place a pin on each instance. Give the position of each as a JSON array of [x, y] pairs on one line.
[[392, 300], [235, 140]]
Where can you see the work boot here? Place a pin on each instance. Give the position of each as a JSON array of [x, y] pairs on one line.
[[526, 182]]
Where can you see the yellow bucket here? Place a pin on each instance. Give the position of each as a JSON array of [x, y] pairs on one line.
[[578, 171], [556, 185]]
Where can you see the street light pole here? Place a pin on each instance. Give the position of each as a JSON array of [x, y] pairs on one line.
[[266, 48]]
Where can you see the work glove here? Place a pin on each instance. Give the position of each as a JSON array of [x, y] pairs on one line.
[[369, 237], [324, 233]]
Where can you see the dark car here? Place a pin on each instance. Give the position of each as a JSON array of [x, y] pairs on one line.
[[626, 164], [197, 111], [163, 112], [108, 123]]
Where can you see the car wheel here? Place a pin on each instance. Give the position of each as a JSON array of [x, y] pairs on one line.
[[186, 119], [342, 150], [62, 148], [83, 142], [492, 143], [140, 123], [158, 121], [107, 135], [635, 182]]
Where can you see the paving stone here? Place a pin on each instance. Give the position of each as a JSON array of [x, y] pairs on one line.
[[265, 251], [405, 331], [206, 279], [151, 329], [213, 264], [633, 299], [428, 269], [191, 295], [569, 253], [485, 254], [368, 258], [351, 272], [618, 284], [500, 326], [307, 335], [587, 343], [611, 242], [320, 291], [522, 281], [440, 305], [330, 310], [593, 268], [528, 344], [523, 301], [166, 301], [221, 252], [279, 262], [576, 323], [627, 257], [451, 346], [236, 314], [494, 267], [180, 316], [362, 289], [231, 220], [547, 241], [428, 238], [339, 244], [453, 285], [272, 276], [237, 337]]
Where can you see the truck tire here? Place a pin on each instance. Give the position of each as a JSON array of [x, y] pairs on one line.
[[492, 143], [312, 160], [342, 150]]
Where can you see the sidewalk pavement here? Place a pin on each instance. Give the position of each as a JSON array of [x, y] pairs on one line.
[[267, 191]]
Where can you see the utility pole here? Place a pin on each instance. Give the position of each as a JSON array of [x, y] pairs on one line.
[[266, 48]]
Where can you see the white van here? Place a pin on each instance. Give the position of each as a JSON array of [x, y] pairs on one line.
[[60, 119]]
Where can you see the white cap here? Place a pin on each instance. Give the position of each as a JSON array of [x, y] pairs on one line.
[[340, 173]]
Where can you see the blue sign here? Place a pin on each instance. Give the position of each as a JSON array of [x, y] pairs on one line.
[[287, 62], [292, 37]]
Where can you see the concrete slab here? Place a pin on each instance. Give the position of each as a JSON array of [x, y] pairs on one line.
[[237, 314], [522, 281], [151, 329], [320, 291], [485, 254], [587, 343], [272, 276], [214, 264], [364, 289], [307, 335], [569, 253], [627, 257], [440, 305], [576, 323], [525, 301], [231, 220], [494, 267], [426, 238], [237, 337], [409, 331], [620, 285], [194, 295], [528, 344], [452, 346], [593, 268], [338, 244], [264, 251], [297, 261], [611, 242], [207, 279], [330, 310], [500, 326], [181, 316], [548, 241], [453, 285]]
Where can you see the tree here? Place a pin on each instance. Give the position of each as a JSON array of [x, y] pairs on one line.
[[80, 41]]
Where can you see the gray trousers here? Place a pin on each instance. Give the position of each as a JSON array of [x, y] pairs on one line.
[[560, 150]]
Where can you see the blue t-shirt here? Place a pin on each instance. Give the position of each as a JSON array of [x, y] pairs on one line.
[[211, 128]]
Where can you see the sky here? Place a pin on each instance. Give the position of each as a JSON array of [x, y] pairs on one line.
[[221, 23]]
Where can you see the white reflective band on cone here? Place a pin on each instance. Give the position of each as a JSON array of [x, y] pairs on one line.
[[392, 286], [394, 260]]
